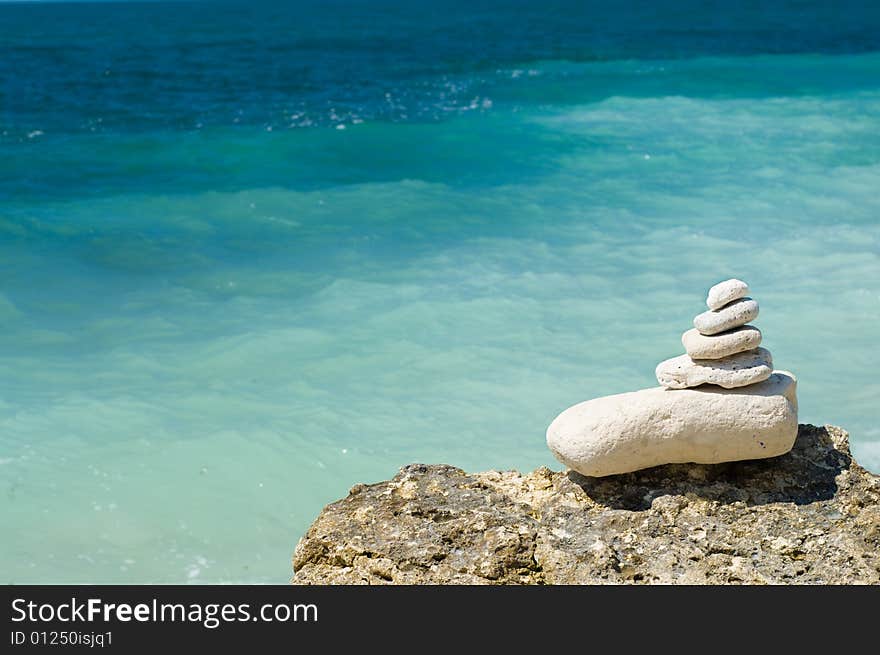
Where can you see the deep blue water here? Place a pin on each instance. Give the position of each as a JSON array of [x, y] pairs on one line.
[[253, 253]]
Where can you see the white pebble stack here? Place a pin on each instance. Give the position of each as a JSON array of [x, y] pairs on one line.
[[722, 349], [720, 402]]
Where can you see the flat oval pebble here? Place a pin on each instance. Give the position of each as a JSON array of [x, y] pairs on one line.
[[631, 431], [730, 372], [726, 292], [723, 344], [733, 315]]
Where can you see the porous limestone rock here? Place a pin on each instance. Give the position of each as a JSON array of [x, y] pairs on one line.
[[716, 346], [737, 313], [726, 292], [729, 372], [631, 431], [811, 516]]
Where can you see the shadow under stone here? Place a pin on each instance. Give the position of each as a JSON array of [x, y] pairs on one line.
[[804, 475]]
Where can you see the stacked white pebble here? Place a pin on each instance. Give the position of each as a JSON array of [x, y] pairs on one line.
[[720, 402], [721, 349]]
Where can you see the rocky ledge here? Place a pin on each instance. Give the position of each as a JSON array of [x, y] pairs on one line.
[[809, 516]]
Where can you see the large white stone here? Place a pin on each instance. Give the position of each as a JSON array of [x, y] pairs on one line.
[[725, 292], [737, 313], [729, 372], [631, 431], [723, 344]]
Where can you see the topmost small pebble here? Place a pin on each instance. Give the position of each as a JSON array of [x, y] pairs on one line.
[[726, 292]]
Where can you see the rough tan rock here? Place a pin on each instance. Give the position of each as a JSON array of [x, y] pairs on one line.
[[723, 344], [631, 431], [737, 313], [811, 516], [733, 371]]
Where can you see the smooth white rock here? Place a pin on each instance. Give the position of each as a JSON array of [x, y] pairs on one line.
[[723, 344], [725, 292], [737, 313], [729, 372], [631, 431]]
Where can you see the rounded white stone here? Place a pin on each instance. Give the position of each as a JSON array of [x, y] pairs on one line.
[[725, 292], [631, 431], [729, 372], [716, 346], [737, 313]]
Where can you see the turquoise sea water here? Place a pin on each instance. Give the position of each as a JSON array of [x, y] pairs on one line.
[[253, 254]]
